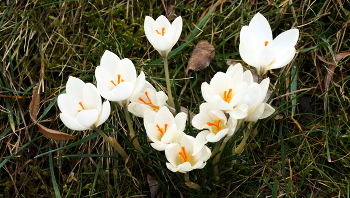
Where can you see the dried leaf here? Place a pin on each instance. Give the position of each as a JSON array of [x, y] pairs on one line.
[[332, 66], [201, 56], [34, 104], [53, 134], [170, 14], [154, 186], [33, 112]]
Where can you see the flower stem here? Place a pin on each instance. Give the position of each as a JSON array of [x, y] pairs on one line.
[[135, 142], [113, 142], [189, 183], [240, 147], [168, 85]]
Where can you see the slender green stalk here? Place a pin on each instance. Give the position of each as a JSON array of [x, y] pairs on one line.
[[112, 141], [190, 183], [135, 142], [168, 85], [240, 147]]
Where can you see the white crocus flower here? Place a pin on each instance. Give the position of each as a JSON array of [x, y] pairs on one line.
[[162, 128], [256, 94], [186, 155], [226, 90], [148, 98], [116, 79], [214, 121], [162, 34], [258, 48], [81, 106]]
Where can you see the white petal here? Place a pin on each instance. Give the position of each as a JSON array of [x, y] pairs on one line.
[[180, 120], [178, 25], [87, 118], [139, 84], [122, 91], [268, 110], [162, 43], [286, 40], [172, 154], [220, 103], [105, 92], [246, 54], [184, 167], [92, 99], [148, 117], [74, 87], [71, 123], [264, 56], [126, 70], [68, 104], [137, 109], [248, 77], [261, 28], [283, 59], [254, 115], [159, 146], [106, 110], [110, 61], [206, 93], [164, 116], [239, 112], [161, 22], [216, 137]]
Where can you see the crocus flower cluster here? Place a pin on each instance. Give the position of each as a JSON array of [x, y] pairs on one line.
[[231, 97]]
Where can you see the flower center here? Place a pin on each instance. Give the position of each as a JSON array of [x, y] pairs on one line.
[[149, 102], [118, 81], [162, 130], [184, 156], [227, 95], [216, 126], [161, 33], [266, 42], [82, 106]]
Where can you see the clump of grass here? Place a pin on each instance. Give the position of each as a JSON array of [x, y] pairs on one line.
[[293, 153]]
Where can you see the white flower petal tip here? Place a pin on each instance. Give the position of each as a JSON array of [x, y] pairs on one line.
[[116, 79], [147, 98], [186, 155], [258, 48], [214, 121], [162, 34], [81, 106], [162, 128], [226, 90]]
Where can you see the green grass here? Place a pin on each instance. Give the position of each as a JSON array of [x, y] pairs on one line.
[[290, 155]]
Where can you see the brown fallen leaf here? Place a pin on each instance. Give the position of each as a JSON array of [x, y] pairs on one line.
[[201, 56], [154, 186], [332, 66], [33, 112], [170, 12]]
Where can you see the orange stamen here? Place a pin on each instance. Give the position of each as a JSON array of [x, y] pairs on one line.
[[217, 125], [266, 42], [183, 155], [163, 31], [149, 102], [118, 81], [113, 83], [162, 130], [82, 106], [119, 76], [228, 95]]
